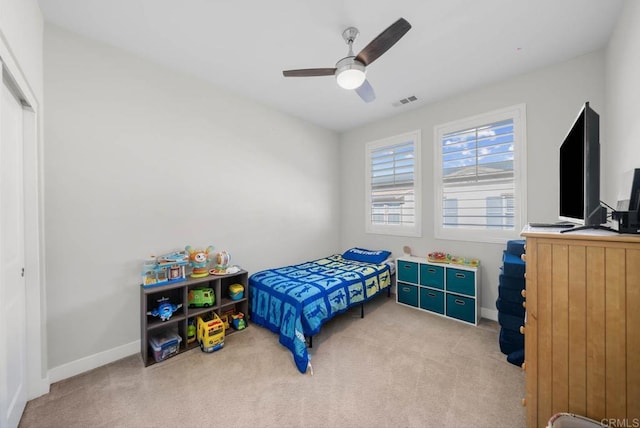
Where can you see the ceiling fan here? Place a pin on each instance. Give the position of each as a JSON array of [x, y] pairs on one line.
[[350, 71]]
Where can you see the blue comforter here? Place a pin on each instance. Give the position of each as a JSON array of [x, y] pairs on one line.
[[295, 301]]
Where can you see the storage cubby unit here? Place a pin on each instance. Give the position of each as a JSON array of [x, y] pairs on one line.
[[178, 293], [444, 289]]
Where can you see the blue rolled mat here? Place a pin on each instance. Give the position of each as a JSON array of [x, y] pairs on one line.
[[516, 357], [510, 341], [510, 322], [515, 283], [512, 265], [516, 247], [510, 295], [510, 308]]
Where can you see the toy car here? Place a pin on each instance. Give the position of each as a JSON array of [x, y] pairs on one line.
[[201, 297]]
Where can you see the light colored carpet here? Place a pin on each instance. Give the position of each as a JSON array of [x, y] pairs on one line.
[[397, 367]]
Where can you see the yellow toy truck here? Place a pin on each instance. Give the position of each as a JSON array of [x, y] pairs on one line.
[[210, 332]]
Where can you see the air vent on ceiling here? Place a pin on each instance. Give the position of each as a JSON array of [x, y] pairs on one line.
[[404, 101]]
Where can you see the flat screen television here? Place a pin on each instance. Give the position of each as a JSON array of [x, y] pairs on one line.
[[580, 173]]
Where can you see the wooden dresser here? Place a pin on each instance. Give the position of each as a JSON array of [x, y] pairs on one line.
[[582, 326]]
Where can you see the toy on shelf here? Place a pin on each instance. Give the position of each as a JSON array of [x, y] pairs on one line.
[[164, 269], [237, 321], [465, 261], [199, 259], [210, 332], [165, 309], [236, 291], [225, 320], [232, 269], [223, 264], [223, 258], [191, 331], [228, 271], [201, 297], [164, 344], [439, 257], [228, 313]]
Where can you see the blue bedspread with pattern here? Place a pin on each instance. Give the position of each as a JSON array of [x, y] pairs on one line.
[[295, 301]]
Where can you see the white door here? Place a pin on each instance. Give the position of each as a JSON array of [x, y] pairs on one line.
[[13, 372]]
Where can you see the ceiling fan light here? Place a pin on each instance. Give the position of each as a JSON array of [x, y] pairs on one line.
[[351, 76]]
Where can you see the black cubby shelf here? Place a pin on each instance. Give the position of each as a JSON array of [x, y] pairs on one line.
[[177, 293]]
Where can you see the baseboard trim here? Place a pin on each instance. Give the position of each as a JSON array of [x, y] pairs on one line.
[[490, 314], [91, 362], [38, 387]]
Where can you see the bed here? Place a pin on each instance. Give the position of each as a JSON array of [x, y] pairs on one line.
[[295, 301]]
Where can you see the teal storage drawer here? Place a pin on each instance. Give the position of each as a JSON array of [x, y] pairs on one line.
[[433, 276], [461, 308], [407, 271], [461, 281], [432, 300], [408, 294]]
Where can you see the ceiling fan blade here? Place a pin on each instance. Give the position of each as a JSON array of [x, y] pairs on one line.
[[366, 92], [309, 72], [384, 41]]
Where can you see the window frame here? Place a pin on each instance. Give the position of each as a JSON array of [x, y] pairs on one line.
[[388, 229], [518, 114]]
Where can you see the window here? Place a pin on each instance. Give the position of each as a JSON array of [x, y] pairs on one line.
[[393, 185], [450, 211], [480, 176]]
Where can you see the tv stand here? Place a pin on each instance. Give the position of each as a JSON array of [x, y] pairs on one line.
[[593, 227]]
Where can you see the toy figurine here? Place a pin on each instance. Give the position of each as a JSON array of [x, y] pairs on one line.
[[199, 259], [238, 321], [191, 331], [165, 309]]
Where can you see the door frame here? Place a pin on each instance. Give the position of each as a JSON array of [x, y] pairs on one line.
[[33, 172]]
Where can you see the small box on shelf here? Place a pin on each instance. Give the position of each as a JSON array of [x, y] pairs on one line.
[[164, 344]]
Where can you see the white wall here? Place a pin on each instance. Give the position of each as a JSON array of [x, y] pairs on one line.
[[140, 160], [553, 98], [127, 140], [622, 103], [21, 27]]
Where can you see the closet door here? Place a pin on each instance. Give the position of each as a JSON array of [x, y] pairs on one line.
[[13, 373]]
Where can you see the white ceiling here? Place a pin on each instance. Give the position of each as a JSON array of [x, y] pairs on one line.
[[243, 45]]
